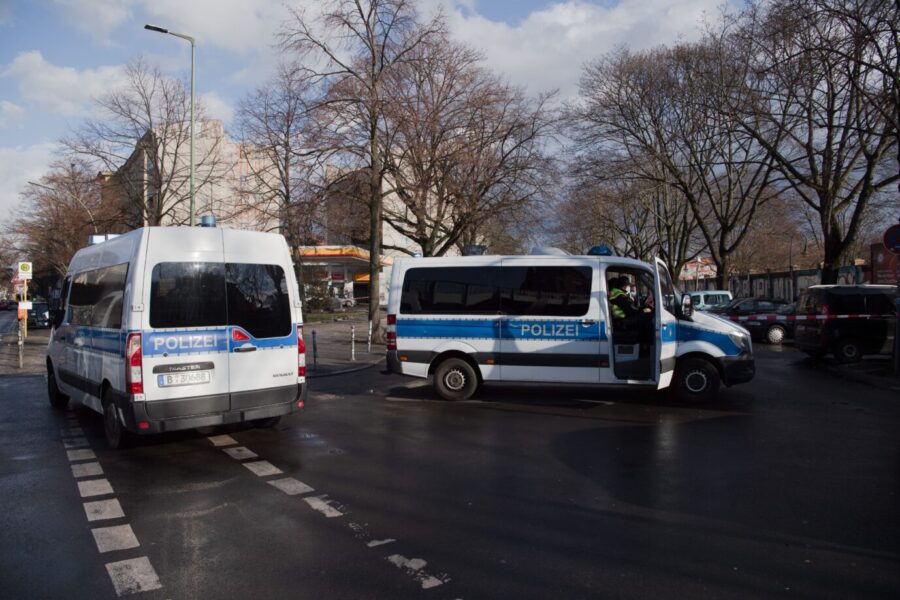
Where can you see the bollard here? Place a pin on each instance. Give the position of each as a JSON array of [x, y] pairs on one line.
[[353, 342], [315, 365], [369, 339], [21, 344]]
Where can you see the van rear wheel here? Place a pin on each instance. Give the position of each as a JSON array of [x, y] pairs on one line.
[[696, 380], [116, 435], [848, 351], [56, 397], [455, 379]]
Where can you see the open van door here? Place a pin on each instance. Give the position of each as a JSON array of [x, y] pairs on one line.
[[666, 325]]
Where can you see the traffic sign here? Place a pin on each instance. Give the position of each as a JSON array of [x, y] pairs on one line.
[[892, 238], [24, 270]]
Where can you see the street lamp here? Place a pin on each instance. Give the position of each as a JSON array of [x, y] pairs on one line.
[[193, 49]]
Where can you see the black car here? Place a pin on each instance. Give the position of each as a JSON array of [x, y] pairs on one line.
[[867, 326], [39, 315], [765, 324]]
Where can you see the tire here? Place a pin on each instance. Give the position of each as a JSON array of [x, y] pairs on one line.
[[57, 398], [117, 437], [696, 380], [775, 334], [455, 379], [266, 423], [847, 352]]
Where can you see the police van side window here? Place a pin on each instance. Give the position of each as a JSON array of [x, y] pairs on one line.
[[545, 291], [258, 300], [110, 290], [451, 290], [81, 300], [187, 295]]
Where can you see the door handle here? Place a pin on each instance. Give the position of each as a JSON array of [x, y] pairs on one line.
[[588, 322], [246, 349]]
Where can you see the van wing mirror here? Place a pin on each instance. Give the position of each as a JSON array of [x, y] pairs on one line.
[[687, 306]]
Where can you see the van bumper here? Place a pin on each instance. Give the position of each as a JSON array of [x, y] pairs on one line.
[[204, 411], [738, 369]]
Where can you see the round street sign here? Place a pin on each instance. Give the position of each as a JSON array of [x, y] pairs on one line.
[[892, 238]]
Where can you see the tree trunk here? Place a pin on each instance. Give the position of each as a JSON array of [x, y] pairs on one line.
[[375, 216], [721, 273]]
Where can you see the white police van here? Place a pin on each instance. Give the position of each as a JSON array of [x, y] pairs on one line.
[[469, 320], [167, 328]]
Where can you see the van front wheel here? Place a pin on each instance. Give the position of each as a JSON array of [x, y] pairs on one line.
[[455, 379], [696, 380]]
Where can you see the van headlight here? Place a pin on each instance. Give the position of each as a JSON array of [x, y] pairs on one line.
[[741, 339]]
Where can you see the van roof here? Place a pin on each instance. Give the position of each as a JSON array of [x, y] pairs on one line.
[[856, 286], [492, 258]]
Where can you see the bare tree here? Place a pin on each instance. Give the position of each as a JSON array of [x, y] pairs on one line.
[[825, 119], [468, 150], [141, 134], [355, 45]]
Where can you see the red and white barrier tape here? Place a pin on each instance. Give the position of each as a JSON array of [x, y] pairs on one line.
[[802, 317]]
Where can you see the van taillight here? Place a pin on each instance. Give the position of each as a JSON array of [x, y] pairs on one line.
[[824, 309], [134, 375], [392, 332], [301, 353]]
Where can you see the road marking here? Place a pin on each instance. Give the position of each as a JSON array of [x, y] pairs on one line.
[[320, 504], [375, 543], [87, 469], [72, 431], [76, 442], [239, 453], [133, 576], [222, 440], [291, 486], [262, 468], [100, 510], [117, 537], [414, 567], [80, 455], [94, 487]]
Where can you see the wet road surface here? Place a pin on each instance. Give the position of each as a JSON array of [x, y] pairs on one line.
[[787, 487]]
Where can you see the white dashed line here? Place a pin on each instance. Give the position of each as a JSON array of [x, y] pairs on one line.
[[87, 469], [320, 504], [262, 468], [222, 440], [76, 442], [80, 455], [414, 567], [291, 486], [133, 576], [375, 543], [94, 487], [239, 453], [70, 431], [117, 537], [100, 510]]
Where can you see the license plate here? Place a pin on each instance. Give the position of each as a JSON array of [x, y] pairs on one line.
[[192, 378]]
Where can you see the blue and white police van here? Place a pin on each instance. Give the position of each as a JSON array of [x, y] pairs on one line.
[[167, 328], [547, 318]]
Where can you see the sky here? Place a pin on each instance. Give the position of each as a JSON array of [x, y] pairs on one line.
[[58, 55]]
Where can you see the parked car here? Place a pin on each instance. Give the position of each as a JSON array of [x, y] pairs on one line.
[[867, 326], [709, 299], [9, 305], [764, 324], [39, 315]]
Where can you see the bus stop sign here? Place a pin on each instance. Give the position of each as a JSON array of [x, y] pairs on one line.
[[892, 239]]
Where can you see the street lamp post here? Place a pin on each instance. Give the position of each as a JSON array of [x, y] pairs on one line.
[[193, 51], [75, 198]]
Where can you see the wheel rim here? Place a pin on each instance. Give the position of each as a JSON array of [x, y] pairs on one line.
[[696, 381], [776, 335], [850, 351], [455, 380]]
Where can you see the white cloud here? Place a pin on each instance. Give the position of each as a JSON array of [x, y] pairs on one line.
[[18, 166], [11, 115], [98, 18], [62, 90], [549, 47], [217, 107]]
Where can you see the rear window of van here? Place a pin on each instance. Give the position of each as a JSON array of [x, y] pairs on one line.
[[202, 294]]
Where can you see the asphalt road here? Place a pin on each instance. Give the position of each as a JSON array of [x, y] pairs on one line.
[[786, 487]]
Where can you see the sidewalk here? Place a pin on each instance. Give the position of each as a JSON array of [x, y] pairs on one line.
[[332, 347], [35, 349]]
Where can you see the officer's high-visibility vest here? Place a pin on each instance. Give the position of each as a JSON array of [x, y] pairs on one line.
[[616, 310]]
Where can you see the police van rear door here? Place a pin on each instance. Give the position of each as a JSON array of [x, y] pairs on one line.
[[262, 333], [550, 328]]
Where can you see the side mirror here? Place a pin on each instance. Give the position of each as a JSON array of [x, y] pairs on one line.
[[687, 306]]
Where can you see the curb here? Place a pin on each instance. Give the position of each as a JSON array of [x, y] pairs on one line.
[[345, 371]]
